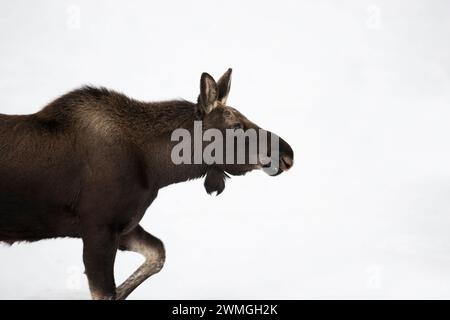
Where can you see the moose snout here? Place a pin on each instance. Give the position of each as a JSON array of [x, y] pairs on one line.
[[286, 156], [286, 163], [282, 161]]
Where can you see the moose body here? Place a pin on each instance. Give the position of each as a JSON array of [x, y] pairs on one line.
[[90, 163]]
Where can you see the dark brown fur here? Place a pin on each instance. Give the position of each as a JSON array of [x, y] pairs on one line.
[[90, 163]]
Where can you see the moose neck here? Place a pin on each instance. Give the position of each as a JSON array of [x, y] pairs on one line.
[[157, 125]]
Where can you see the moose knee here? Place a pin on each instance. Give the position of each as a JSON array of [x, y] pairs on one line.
[[148, 245], [158, 256], [154, 253]]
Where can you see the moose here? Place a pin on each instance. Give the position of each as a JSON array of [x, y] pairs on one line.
[[90, 163]]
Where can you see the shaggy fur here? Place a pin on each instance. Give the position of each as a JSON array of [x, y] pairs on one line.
[[89, 165]]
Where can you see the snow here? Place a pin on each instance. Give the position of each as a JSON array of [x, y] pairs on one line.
[[360, 90]]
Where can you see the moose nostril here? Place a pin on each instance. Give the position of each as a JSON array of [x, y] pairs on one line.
[[288, 161]]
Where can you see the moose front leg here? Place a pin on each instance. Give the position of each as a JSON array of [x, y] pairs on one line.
[[99, 252], [140, 241]]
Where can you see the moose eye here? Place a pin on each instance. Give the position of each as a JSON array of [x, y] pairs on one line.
[[237, 126]]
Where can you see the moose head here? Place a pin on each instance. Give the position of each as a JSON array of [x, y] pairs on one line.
[[227, 142]]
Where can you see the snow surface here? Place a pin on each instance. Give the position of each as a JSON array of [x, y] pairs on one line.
[[361, 91]]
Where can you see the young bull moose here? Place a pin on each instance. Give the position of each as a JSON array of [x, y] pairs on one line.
[[90, 163]]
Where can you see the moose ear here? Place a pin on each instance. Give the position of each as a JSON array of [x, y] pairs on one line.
[[224, 85], [208, 93]]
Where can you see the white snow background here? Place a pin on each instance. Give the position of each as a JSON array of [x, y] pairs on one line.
[[361, 91]]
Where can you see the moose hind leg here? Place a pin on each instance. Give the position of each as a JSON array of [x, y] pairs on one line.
[[140, 241]]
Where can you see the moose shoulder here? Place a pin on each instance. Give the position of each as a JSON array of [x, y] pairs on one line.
[[91, 162]]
